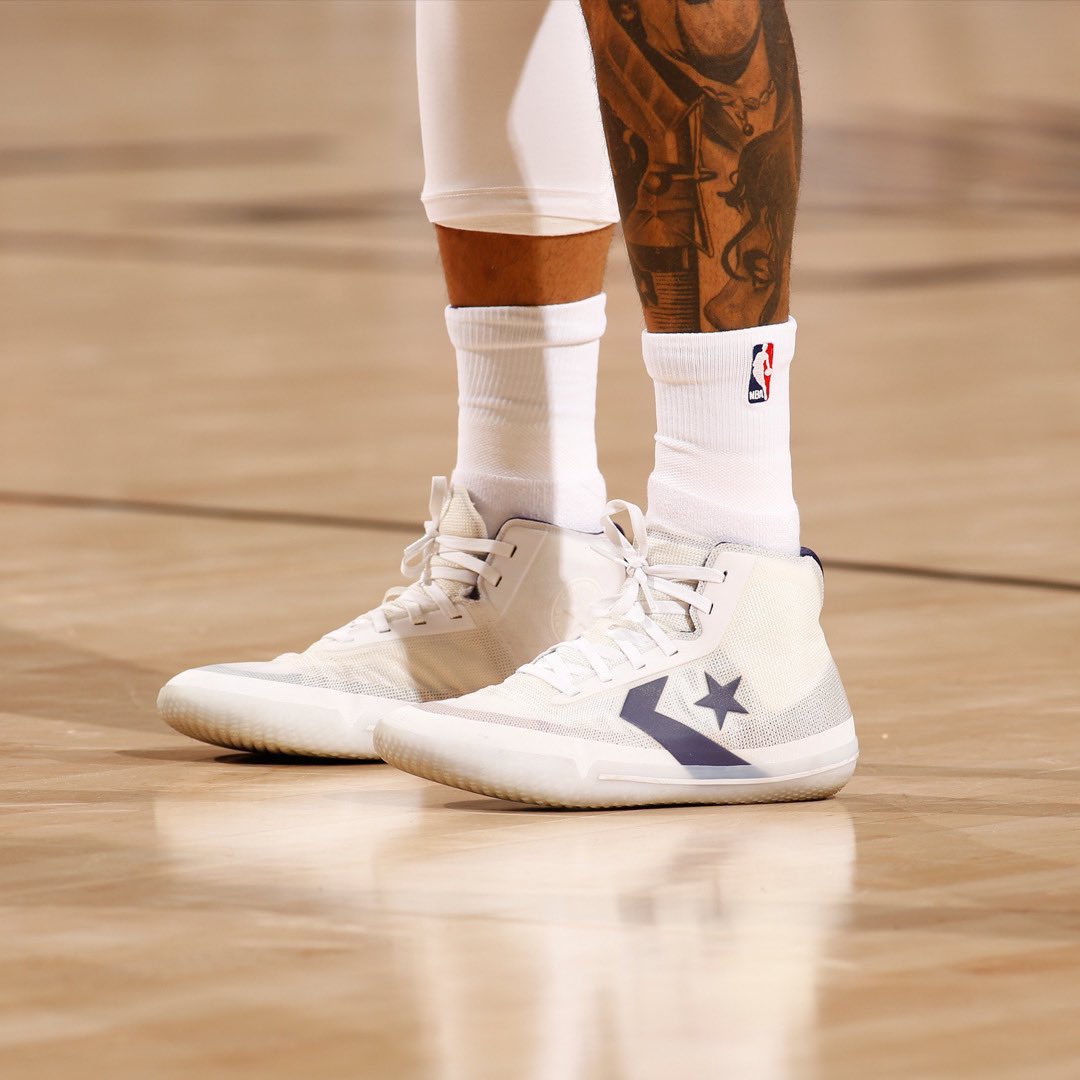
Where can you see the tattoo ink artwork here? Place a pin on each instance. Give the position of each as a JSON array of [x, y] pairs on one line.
[[700, 103]]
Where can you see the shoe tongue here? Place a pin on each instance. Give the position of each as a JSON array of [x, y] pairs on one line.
[[459, 518], [666, 549]]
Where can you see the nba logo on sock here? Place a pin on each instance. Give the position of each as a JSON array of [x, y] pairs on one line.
[[760, 373]]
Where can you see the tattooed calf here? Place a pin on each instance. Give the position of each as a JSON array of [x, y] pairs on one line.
[[701, 111]]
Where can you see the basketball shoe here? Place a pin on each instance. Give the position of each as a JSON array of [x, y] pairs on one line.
[[707, 680], [478, 608]]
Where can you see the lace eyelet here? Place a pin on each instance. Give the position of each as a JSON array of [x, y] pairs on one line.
[[497, 583], [513, 552]]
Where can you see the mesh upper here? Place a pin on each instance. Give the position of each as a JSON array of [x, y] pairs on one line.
[[773, 644], [824, 707], [414, 669], [409, 669]]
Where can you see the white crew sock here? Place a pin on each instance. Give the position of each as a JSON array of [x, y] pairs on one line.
[[723, 455], [527, 411]]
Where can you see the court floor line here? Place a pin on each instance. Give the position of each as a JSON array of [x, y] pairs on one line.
[[149, 154], [193, 510], [341, 521], [196, 251], [975, 577]]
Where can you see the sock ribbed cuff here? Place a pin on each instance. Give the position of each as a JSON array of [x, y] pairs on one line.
[[477, 329], [727, 357]]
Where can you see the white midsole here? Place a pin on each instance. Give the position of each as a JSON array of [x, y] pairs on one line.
[[727, 782], [800, 757]]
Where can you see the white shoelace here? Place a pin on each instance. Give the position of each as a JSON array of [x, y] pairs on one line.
[[462, 559], [649, 590]]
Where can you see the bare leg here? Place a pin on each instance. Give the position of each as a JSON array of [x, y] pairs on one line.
[[485, 269], [701, 108]]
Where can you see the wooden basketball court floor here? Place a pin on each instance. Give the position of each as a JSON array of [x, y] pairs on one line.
[[226, 386]]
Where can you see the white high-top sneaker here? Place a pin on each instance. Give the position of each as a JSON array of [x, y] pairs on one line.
[[708, 680], [479, 608]]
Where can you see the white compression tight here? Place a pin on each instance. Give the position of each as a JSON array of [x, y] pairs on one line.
[[510, 119], [513, 143]]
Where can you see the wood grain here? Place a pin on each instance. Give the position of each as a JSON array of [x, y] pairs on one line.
[[219, 292]]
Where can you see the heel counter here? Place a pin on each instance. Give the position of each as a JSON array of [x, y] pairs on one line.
[[838, 692], [775, 635]]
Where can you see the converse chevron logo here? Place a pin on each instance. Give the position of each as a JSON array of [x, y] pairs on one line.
[[683, 743], [761, 368]]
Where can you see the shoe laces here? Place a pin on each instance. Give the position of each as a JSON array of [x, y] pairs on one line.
[[626, 629], [433, 561]]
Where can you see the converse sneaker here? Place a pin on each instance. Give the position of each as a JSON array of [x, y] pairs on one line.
[[707, 680], [478, 608]]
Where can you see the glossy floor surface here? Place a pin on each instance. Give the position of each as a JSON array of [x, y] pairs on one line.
[[226, 385]]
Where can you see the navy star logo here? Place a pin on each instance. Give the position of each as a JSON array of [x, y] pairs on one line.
[[721, 698]]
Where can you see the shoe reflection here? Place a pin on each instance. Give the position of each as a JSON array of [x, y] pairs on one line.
[[676, 942]]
